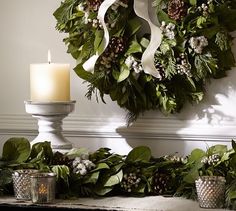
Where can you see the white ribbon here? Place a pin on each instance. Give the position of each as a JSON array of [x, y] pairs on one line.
[[141, 8], [90, 63]]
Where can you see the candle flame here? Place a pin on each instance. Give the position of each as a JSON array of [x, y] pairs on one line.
[[49, 56], [42, 189]]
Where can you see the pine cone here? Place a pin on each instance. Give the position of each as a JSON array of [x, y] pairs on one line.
[[117, 45], [60, 159], [160, 68], [177, 9], [94, 4], [160, 183]]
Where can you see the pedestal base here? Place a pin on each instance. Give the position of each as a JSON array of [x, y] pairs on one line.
[[50, 116]]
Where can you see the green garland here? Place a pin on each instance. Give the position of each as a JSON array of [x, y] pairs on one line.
[[102, 173], [196, 46]]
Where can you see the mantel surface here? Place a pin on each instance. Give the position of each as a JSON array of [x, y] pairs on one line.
[[150, 203]]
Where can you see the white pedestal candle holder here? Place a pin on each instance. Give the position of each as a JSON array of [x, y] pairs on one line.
[[50, 116]]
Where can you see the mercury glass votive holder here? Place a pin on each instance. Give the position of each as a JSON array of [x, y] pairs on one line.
[[210, 191], [21, 183], [43, 187]]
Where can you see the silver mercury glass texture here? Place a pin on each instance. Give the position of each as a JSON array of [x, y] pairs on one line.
[[21, 183], [210, 191], [43, 187]]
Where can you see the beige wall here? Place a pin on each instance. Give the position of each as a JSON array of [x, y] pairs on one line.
[[28, 31]]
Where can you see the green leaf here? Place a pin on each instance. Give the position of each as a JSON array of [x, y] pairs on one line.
[[42, 150], [200, 21], [101, 166], [141, 153], [232, 195], [196, 154], [103, 191], [16, 149], [163, 16], [114, 179], [61, 171], [134, 25], [98, 39], [193, 2], [5, 177], [125, 71], [144, 42], [217, 149], [79, 70], [233, 145], [191, 176], [134, 47], [191, 82], [77, 152], [92, 178]]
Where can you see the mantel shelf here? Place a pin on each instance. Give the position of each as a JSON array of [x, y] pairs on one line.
[[150, 203]]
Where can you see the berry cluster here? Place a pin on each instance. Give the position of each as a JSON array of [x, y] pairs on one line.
[[198, 43], [183, 66], [130, 181], [211, 160], [81, 165], [204, 8]]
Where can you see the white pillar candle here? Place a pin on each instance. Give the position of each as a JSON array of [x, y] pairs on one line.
[[50, 82]]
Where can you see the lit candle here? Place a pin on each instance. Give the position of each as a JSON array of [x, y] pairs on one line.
[[50, 82]]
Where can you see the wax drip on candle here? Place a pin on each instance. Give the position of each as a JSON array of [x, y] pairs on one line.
[[49, 57]]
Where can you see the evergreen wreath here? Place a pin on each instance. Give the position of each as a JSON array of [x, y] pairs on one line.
[[195, 47]]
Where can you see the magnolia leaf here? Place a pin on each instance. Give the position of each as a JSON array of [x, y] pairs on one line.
[[134, 47], [77, 152], [102, 191], [233, 145], [191, 176], [193, 2], [196, 154], [114, 179], [118, 167], [163, 16], [79, 70], [217, 149], [144, 42], [232, 195], [226, 156], [101, 166], [43, 149], [141, 188], [92, 178], [61, 171], [191, 82], [98, 39], [134, 25], [5, 177], [139, 154], [16, 149], [125, 71], [115, 74]]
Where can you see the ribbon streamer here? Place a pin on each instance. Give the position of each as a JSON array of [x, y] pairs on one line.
[[141, 9], [90, 63]]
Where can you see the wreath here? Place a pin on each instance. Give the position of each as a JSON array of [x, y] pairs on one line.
[[189, 43]]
